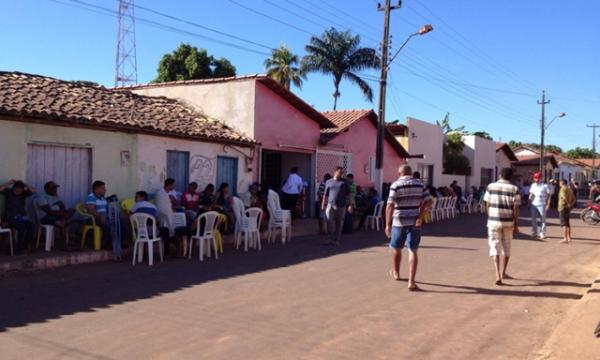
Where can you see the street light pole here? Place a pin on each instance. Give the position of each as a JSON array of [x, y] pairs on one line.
[[543, 130], [385, 64]]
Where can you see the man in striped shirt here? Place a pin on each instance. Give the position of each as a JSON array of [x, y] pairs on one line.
[[502, 200], [407, 202]]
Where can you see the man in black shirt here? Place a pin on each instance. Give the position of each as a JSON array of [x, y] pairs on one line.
[[15, 214]]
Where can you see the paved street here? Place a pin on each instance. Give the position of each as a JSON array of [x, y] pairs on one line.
[[304, 300]]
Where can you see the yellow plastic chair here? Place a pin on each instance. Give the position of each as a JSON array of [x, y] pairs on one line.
[[218, 237], [97, 230], [127, 205]]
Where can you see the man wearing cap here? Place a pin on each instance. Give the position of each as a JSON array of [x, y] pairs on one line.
[[539, 200], [15, 214], [54, 211]]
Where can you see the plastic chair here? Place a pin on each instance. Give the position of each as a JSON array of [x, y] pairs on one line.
[[179, 220], [47, 229], [278, 219], [375, 220], [246, 225], [96, 230], [468, 204], [211, 221], [127, 205], [429, 213], [140, 223], [10, 237]]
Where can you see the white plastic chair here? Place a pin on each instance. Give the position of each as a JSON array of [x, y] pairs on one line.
[[451, 207], [468, 205], [208, 235], [47, 229], [375, 221], [144, 231], [10, 237], [179, 220], [441, 205], [245, 225], [278, 218], [432, 210]]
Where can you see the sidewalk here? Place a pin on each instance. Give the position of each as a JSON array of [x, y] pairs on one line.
[[574, 337]]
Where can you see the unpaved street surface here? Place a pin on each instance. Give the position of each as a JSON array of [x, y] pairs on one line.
[[304, 300]]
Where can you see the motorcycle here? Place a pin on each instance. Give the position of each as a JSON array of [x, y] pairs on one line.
[[591, 214]]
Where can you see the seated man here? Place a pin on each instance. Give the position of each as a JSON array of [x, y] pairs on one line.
[[190, 200], [54, 211], [15, 213], [142, 205], [251, 198], [165, 216], [97, 206]]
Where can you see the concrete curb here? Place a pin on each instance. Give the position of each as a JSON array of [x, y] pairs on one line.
[[50, 260]]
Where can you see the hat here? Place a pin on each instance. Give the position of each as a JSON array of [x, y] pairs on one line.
[[50, 184], [537, 176], [18, 185]]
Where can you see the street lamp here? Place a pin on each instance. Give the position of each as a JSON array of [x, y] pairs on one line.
[[545, 127], [385, 64]]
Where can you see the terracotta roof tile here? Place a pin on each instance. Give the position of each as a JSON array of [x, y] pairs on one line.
[[68, 103]]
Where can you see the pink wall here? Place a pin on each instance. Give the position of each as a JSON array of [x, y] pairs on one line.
[[278, 123], [360, 140]]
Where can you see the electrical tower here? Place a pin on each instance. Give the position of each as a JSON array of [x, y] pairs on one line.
[[126, 64]]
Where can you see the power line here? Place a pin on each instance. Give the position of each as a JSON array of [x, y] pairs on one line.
[[271, 17], [109, 12], [336, 13]]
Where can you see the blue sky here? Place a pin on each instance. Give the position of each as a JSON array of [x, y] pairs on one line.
[[486, 62]]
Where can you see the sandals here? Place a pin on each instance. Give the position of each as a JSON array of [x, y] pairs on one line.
[[414, 288]]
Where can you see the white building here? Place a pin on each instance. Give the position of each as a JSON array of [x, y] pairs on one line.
[[504, 157], [482, 156]]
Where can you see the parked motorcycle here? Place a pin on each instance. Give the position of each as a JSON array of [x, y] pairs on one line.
[[591, 214]]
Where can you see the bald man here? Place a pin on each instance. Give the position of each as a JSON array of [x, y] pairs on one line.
[[407, 202]]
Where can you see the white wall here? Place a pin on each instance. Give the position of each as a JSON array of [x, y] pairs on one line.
[[427, 139], [231, 102], [502, 161], [152, 161], [569, 171], [482, 154]]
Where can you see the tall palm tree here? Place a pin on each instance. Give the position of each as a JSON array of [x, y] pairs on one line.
[[283, 67], [340, 55]]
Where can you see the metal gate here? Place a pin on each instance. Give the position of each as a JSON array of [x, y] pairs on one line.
[[328, 160], [68, 166]]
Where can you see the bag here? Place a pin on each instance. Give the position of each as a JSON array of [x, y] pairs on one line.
[[348, 223]]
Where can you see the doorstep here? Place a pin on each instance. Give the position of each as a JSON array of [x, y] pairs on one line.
[[50, 260]]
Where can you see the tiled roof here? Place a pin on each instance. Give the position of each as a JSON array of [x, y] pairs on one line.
[[590, 162], [507, 150], [273, 85], [66, 103], [530, 160], [345, 119]]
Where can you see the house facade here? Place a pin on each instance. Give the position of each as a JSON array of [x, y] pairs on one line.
[[422, 138], [286, 129], [75, 134], [566, 168], [482, 157], [505, 158], [356, 134]]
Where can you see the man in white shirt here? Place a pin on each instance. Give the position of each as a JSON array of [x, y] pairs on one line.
[[539, 200], [165, 213], [292, 190]]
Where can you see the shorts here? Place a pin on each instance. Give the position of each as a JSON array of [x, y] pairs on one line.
[[499, 239], [49, 220], [408, 236], [565, 217]]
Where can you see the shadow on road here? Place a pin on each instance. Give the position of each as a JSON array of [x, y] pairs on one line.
[[501, 291], [40, 296]]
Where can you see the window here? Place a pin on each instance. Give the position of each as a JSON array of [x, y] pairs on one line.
[[178, 168], [426, 174], [486, 176]]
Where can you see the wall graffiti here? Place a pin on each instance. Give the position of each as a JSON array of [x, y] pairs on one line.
[[203, 170]]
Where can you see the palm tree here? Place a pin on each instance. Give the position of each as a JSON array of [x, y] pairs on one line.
[[283, 67], [447, 129], [339, 54]]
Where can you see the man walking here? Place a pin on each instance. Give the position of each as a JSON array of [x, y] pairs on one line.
[[539, 200], [335, 203], [408, 200], [502, 200], [566, 202]]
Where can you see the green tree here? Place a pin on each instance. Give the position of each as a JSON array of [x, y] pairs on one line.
[[454, 162], [339, 54], [85, 83], [580, 153], [283, 66], [553, 148], [447, 129], [188, 62], [514, 144], [482, 134]]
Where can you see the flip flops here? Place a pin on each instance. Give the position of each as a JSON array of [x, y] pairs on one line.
[[394, 275]]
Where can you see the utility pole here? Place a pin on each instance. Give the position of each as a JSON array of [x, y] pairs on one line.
[[543, 128], [387, 8], [594, 126]]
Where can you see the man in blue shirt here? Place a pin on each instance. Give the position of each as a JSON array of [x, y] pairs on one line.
[[142, 205], [97, 206]]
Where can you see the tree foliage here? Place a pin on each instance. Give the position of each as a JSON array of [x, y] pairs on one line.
[[454, 161], [447, 129], [283, 66], [482, 134], [547, 148], [188, 62], [581, 153], [340, 55]]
